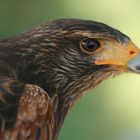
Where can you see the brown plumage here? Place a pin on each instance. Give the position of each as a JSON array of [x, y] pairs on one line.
[[45, 70]]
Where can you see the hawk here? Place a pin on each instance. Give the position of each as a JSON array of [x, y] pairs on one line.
[[44, 70]]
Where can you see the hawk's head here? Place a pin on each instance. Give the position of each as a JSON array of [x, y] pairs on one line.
[[70, 55], [74, 55]]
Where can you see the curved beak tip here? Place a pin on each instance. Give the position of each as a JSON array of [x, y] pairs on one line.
[[134, 64]]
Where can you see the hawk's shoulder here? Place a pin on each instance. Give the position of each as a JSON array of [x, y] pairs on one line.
[[25, 111]]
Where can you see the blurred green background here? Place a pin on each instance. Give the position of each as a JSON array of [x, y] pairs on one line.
[[112, 110]]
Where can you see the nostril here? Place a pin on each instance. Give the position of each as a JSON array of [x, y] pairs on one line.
[[132, 52]]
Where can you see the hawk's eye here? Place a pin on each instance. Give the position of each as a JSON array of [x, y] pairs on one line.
[[89, 45]]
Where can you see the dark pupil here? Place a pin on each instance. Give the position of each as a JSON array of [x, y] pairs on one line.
[[90, 45]]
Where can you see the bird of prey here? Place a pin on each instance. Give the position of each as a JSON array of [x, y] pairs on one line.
[[44, 70]]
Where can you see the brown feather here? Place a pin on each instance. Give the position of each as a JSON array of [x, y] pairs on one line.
[[34, 115]]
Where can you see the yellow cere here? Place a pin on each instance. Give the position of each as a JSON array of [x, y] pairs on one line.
[[115, 53]]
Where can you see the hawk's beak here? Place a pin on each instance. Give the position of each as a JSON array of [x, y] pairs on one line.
[[123, 57], [134, 63]]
